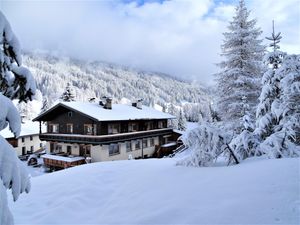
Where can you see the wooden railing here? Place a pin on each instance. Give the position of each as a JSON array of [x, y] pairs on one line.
[[103, 139]]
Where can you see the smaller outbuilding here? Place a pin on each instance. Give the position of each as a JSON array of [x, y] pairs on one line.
[[28, 141]]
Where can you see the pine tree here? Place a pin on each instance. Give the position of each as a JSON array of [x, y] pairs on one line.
[[290, 86], [45, 105], [16, 82], [173, 111], [68, 95], [284, 139], [181, 121], [242, 68], [270, 93]]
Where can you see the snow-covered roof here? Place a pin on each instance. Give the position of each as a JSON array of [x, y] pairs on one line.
[[63, 158], [117, 113], [27, 128]]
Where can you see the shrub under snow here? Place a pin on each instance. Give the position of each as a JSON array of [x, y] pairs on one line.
[[206, 142]]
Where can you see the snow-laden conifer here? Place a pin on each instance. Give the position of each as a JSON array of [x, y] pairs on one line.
[[290, 86], [173, 111], [16, 82], [270, 93], [45, 105], [181, 121], [242, 68], [68, 95], [284, 139]]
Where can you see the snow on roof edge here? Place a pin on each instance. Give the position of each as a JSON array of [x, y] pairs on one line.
[[81, 107]]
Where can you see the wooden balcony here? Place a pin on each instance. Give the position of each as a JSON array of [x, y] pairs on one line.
[[103, 139]]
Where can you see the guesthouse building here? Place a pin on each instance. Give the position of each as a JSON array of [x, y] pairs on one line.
[[79, 132]]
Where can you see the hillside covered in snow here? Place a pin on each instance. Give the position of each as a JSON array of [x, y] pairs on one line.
[[155, 191], [97, 79]]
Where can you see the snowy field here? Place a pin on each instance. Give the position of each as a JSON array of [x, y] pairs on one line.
[[155, 191]]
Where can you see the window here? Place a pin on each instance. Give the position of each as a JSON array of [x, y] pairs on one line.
[[70, 114], [128, 146], [137, 144], [69, 128], [113, 149], [113, 128], [31, 138], [145, 143], [53, 128], [160, 124], [149, 126], [88, 129], [23, 139], [41, 145], [31, 148], [132, 127], [151, 142]]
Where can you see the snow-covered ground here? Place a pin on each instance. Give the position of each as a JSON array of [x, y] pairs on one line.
[[155, 191]]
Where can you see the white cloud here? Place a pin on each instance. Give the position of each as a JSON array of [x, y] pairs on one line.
[[181, 38]]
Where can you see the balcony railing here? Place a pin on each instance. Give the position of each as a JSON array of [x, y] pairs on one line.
[[103, 139]]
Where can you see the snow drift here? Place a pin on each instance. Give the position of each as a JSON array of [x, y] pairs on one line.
[[156, 191]]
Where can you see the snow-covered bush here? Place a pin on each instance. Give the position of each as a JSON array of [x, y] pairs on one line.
[[246, 144], [206, 143], [16, 82]]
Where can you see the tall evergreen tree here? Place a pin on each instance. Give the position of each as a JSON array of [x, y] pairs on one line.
[[68, 95], [290, 86], [241, 69], [270, 93], [181, 121], [45, 105], [173, 111]]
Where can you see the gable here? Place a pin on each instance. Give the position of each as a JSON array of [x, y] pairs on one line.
[[61, 111]]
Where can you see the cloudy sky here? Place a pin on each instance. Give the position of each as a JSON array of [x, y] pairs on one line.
[[181, 38]]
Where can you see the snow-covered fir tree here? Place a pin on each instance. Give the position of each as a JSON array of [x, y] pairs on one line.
[[45, 105], [284, 139], [181, 121], [270, 92], [68, 95], [173, 111], [290, 86], [16, 82], [242, 68]]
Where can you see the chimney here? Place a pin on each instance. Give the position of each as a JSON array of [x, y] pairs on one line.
[[108, 103], [138, 104]]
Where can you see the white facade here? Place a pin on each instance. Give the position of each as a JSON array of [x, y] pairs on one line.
[[100, 153], [29, 143]]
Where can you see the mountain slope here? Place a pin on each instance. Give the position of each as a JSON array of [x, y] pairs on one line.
[[97, 79]]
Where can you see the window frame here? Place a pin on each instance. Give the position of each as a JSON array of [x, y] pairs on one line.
[[113, 149]]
